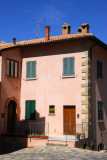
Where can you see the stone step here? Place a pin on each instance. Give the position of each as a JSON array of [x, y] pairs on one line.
[[56, 144]]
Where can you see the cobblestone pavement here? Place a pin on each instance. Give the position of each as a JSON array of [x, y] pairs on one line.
[[54, 153]]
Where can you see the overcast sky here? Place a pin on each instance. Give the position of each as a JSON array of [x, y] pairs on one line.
[[18, 18]]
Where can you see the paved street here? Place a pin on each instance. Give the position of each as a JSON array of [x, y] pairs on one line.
[[54, 153]]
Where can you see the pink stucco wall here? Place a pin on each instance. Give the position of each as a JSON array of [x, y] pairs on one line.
[[50, 88], [10, 86], [99, 93]]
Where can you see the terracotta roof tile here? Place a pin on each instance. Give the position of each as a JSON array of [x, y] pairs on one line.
[[43, 40]]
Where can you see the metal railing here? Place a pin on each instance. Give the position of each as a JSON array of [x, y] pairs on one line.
[[33, 128], [75, 131], [27, 128]]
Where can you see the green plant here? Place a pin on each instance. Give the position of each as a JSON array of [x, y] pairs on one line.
[[78, 134], [83, 133], [42, 135], [52, 109], [33, 134], [87, 146]]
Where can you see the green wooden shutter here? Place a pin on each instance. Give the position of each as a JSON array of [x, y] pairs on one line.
[[32, 109], [65, 67], [27, 111], [99, 69], [28, 70], [71, 66], [100, 110], [68, 66], [33, 69]]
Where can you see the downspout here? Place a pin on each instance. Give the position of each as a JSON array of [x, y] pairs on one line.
[[90, 120]]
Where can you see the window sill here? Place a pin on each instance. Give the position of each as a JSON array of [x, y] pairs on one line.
[[100, 121], [99, 79], [68, 77], [30, 120], [30, 79], [51, 114], [13, 77]]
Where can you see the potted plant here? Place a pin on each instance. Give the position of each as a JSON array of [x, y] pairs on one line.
[[78, 135], [83, 135], [43, 136], [33, 135], [52, 110]]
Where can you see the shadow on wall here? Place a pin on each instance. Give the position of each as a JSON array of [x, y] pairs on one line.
[[18, 140], [102, 125], [52, 49]]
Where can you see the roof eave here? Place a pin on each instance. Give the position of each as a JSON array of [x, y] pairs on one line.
[[91, 37]]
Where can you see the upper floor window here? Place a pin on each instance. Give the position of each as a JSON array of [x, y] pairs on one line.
[[68, 66], [99, 70], [100, 110], [31, 69], [12, 68]]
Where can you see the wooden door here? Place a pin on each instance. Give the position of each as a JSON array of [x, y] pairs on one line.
[[11, 121], [69, 120]]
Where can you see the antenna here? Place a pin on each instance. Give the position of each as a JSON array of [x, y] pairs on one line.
[[37, 26]]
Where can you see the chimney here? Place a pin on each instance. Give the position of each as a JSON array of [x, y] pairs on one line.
[[3, 42], [65, 29], [47, 31], [14, 41], [79, 30], [84, 28]]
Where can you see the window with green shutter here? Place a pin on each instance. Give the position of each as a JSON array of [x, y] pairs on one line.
[[30, 69], [99, 70], [68, 66], [100, 110], [30, 110]]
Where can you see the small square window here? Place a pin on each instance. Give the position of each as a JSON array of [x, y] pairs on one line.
[[51, 109]]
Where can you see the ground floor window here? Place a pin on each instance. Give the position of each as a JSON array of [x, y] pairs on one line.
[[30, 110], [51, 109]]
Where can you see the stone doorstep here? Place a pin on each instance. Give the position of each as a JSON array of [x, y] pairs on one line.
[[103, 151], [62, 138], [57, 144]]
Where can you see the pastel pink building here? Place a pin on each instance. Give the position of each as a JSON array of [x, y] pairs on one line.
[[60, 80]]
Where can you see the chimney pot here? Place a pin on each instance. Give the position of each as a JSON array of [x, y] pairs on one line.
[[47, 32], [65, 29], [14, 41], [84, 28]]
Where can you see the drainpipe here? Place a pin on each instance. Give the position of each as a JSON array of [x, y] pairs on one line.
[[91, 47], [91, 53]]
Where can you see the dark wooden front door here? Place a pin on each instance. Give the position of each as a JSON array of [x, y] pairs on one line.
[[69, 120], [11, 119]]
